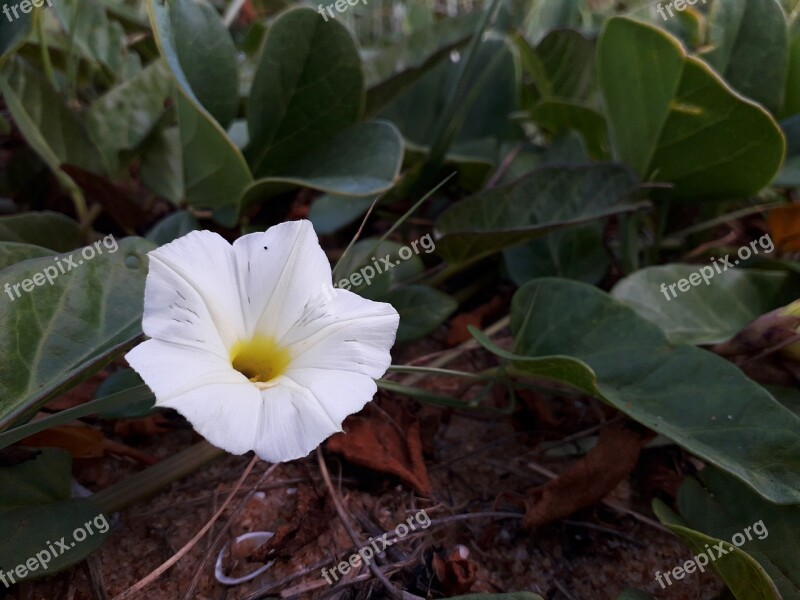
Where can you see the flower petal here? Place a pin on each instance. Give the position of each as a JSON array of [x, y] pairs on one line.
[[172, 370], [280, 272], [346, 333], [227, 415], [341, 393], [292, 423], [192, 296]]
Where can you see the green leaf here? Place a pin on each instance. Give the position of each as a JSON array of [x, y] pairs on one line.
[[42, 228], [126, 381], [576, 253], [706, 314], [561, 66], [547, 199], [558, 116], [13, 252], [674, 120], [121, 402], [790, 173], [393, 69], [547, 15], [308, 88], [749, 40], [329, 213], [36, 511], [560, 369], [740, 571], [161, 168], [738, 426], [215, 172], [121, 119], [422, 309], [368, 253], [792, 103], [96, 37], [481, 122], [361, 161], [172, 227], [721, 507], [53, 131], [207, 57], [56, 334]]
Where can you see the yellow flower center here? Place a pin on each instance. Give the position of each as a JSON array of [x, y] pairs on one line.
[[260, 359]]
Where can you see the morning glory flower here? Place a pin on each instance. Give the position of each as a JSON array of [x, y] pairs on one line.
[[253, 344]]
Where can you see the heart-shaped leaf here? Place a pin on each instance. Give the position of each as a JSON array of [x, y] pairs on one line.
[[215, 172], [308, 87], [379, 266], [749, 42], [330, 212], [561, 66], [481, 122], [207, 57], [123, 117], [740, 571], [547, 199], [12, 253], [172, 227], [675, 120], [56, 333], [575, 253], [792, 104], [56, 134], [392, 69], [557, 116], [709, 313], [96, 38], [40, 521], [721, 507], [43, 228], [361, 161], [421, 308], [733, 423]]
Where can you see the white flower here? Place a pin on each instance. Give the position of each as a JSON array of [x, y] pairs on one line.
[[254, 345]]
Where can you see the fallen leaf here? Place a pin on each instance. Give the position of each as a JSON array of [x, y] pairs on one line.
[[456, 572], [84, 442], [81, 393], [784, 227], [146, 426], [586, 482], [458, 326], [386, 445]]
